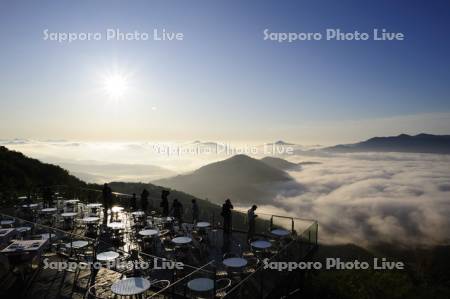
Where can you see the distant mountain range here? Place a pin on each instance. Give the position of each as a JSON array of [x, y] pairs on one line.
[[240, 178], [421, 143]]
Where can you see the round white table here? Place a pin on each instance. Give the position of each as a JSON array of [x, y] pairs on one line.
[[181, 240], [130, 286], [201, 284], [138, 213], [71, 201], [107, 256], [49, 210], [149, 232], [22, 229], [116, 209], [94, 205], [235, 262], [116, 225], [68, 215], [47, 236], [279, 232], [31, 205], [90, 219], [203, 224], [261, 244], [7, 222], [77, 244]]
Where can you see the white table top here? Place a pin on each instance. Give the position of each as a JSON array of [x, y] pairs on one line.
[[138, 213], [22, 229], [261, 244], [235, 262], [94, 205], [71, 201], [90, 219], [6, 231], [6, 222], [149, 232], [68, 214], [116, 209], [24, 245], [107, 256], [201, 284], [49, 210], [77, 244], [31, 205], [203, 224], [181, 240], [280, 232], [47, 236], [116, 225], [130, 286]]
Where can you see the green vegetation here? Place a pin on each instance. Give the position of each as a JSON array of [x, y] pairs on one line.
[[18, 172]]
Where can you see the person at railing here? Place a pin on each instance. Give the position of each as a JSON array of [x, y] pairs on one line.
[[226, 214], [107, 202], [133, 202], [251, 219], [27, 201], [177, 210], [144, 200], [165, 203], [195, 211]]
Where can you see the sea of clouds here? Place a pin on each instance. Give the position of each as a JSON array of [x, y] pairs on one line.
[[370, 198], [363, 198]]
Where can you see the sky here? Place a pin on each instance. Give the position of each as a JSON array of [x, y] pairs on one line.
[[223, 81]]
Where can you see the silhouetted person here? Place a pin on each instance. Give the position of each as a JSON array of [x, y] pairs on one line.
[[133, 202], [47, 196], [144, 200], [177, 210], [107, 202], [27, 201], [195, 211], [251, 218], [165, 203], [226, 214]]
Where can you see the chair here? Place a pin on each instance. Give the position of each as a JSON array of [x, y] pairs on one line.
[[228, 255], [159, 288], [252, 264], [221, 287], [100, 291], [159, 285]]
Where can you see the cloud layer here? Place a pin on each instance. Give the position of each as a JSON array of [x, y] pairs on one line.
[[400, 199], [363, 198]]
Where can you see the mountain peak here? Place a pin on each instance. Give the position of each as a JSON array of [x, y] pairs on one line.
[[242, 178], [421, 143], [281, 142]]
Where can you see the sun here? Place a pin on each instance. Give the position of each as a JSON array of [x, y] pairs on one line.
[[115, 85]]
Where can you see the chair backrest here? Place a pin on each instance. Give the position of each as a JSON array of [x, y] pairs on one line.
[[229, 255], [221, 286]]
